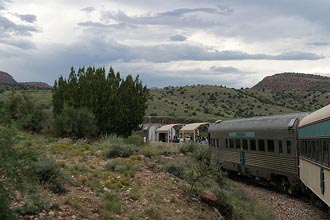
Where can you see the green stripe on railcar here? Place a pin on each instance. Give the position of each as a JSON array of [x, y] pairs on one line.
[[321, 129]]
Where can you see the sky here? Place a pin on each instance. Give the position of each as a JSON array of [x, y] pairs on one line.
[[235, 43]]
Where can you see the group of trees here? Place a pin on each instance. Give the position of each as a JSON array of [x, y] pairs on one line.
[[116, 105]]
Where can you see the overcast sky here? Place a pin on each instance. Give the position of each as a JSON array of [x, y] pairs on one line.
[[230, 42]]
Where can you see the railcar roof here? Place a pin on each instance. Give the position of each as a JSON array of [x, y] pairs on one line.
[[274, 122], [314, 117]]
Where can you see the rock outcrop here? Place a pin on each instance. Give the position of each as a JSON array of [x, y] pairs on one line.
[[294, 82]]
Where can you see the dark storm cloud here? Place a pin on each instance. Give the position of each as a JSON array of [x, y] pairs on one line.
[[28, 18], [178, 37]]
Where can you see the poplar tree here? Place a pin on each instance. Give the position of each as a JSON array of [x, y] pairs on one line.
[[118, 104]]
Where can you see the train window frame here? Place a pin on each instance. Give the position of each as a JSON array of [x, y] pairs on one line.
[[245, 147], [238, 144], [270, 145], [326, 155], [288, 147], [319, 153], [264, 145], [231, 143], [280, 146], [255, 144]]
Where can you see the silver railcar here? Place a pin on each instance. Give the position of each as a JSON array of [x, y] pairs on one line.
[[261, 147]]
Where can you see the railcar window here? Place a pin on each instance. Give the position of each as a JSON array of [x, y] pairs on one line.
[[309, 149], [319, 151], [288, 147], [326, 153], [261, 144], [226, 143], [253, 145], [245, 144], [280, 147], [302, 148], [238, 143], [271, 145], [217, 142], [231, 143]]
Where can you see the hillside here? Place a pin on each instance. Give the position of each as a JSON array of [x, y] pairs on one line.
[[7, 82], [6, 78], [203, 102], [294, 82], [41, 85]]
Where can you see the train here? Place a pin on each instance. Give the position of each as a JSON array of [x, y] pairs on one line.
[[289, 151]]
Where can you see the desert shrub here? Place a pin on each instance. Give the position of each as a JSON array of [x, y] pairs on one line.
[[153, 213], [188, 147], [119, 151], [46, 169], [126, 167], [76, 123], [175, 170], [135, 140], [33, 121], [112, 205]]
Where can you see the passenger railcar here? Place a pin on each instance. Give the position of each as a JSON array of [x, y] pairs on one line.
[[314, 161], [261, 147]]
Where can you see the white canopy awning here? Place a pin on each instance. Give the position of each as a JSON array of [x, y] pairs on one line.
[[190, 128]]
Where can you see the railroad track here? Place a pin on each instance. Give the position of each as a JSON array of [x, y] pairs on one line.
[[284, 206]]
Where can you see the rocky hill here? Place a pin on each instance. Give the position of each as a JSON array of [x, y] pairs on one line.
[[41, 85], [294, 82], [6, 78], [7, 82]]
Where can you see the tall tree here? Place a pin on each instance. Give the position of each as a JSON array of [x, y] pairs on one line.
[[118, 104]]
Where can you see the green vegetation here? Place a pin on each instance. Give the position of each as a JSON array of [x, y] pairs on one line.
[[203, 102], [118, 104]]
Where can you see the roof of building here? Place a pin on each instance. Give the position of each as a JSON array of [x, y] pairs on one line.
[[166, 128], [314, 117], [192, 127]]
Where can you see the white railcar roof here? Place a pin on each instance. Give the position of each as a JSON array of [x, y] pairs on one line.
[[314, 117], [263, 123]]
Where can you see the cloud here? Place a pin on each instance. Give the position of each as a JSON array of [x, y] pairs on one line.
[[7, 26], [178, 37], [176, 17], [19, 43], [88, 9], [225, 69], [319, 43], [28, 18]]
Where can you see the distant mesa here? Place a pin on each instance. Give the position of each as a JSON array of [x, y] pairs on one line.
[[41, 85], [6, 78], [294, 82]]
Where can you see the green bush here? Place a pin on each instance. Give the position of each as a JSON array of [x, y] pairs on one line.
[[112, 205], [135, 140], [76, 123], [126, 167], [188, 147], [46, 170], [176, 170], [115, 151]]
